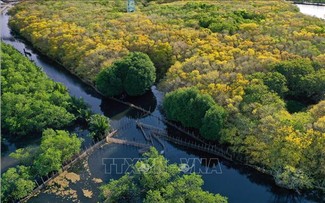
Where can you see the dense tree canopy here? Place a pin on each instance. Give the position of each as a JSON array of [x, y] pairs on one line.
[[56, 147], [99, 125], [274, 80], [213, 122], [163, 182], [31, 101], [108, 83], [303, 80], [16, 183], [187, 106], [197, 110], [26, 156], [134, 74]]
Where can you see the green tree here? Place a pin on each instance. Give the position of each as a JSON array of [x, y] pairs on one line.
[[48, 161], [26, 155], [62, 141], [187, 188], [274, 80], [259, 97], [159, 173], [80, 108], [293, 178], [294, 71], [16, 183], [187, 106], [154, 180], [213, 122], [134, 74], [30, 101], [161, 55], [313, 85], [314, 158], [56, 147], [108, 83], [99, 125], [121, 190], [154, 196]]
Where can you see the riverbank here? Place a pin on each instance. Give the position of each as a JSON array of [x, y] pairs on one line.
[[308, 3], [312, 10]]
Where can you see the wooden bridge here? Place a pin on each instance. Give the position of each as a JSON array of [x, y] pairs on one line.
[[126, 142], [211, 149], [158, 130], [67, 165], [205, 147]]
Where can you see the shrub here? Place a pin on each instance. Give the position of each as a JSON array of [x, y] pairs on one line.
[[134, 74]]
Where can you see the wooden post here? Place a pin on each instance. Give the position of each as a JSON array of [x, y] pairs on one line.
[[42, 180]]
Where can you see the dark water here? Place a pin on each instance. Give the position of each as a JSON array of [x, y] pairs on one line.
[[238, 183]]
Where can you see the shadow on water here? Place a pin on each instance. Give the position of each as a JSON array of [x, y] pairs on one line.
[[116, 110]]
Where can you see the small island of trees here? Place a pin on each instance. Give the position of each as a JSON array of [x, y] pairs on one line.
[[134, 74]]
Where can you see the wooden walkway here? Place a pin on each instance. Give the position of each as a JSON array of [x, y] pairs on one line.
[[67, 165], [151, 135], [153, 128], [126, 142], [211, 149], [108, 139]]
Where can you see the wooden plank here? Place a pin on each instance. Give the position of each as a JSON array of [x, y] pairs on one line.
[[126, 142]]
